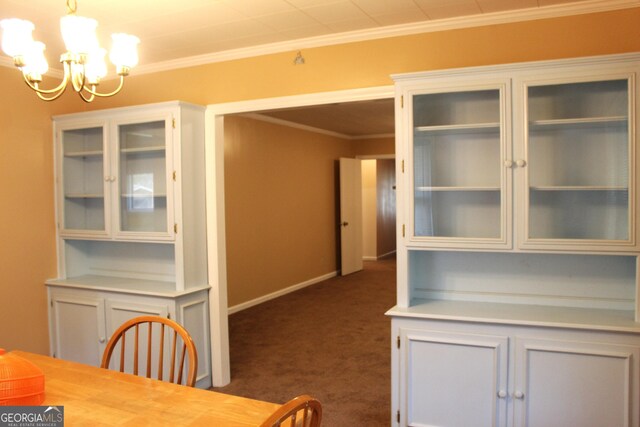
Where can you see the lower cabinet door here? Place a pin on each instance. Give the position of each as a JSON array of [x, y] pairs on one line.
[[78, 328], [452, 379], [564, 383]]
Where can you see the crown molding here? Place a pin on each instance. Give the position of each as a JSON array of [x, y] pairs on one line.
[[529, 14]]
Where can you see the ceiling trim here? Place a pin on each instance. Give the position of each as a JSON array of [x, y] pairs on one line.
[[287, 123], [546, 12]]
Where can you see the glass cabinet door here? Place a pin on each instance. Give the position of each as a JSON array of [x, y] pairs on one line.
[[143, 176], [83, 180], [578, 154], [458, 177]]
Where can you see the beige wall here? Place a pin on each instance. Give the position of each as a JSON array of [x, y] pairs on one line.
[[25, 138], [369, 210], [281, 207], [27, 252]]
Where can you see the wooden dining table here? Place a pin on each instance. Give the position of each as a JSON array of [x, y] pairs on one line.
[[94, 396]]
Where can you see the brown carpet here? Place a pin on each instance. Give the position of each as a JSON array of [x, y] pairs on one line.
[[329, 340]]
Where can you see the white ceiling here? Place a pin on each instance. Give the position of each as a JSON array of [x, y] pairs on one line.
[[178, 29], [180, 33]]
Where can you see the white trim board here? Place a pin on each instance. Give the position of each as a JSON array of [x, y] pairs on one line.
[[281, 292]]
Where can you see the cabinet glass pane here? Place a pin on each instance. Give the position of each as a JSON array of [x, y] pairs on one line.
[[83, 179], [143, 177], [456, 164], [578, 161]]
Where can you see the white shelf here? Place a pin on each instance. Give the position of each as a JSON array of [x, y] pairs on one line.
[[154, 149], [578, 188], [447, 189], [84, 196], [142, 196], [575, 122], [521, 314], [460, 128], [89, 153]]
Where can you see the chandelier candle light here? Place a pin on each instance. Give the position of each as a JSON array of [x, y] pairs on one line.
[[83, 62]]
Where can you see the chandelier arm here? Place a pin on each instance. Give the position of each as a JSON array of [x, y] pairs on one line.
[[86, 99], [60, 88], [50, 98], [94, 93]]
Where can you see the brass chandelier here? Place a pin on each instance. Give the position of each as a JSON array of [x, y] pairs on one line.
[[83, 62]]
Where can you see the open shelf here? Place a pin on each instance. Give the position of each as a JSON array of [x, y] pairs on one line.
[[84, 196], [457, 188], [152, 149], [459, 128], [577, 122], [578, 188], [88, 153], [521, 314]]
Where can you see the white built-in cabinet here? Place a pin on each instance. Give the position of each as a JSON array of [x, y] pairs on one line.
[[130, 199], [518, 244]]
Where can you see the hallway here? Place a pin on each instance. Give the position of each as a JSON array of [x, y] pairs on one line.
[[329, 340]]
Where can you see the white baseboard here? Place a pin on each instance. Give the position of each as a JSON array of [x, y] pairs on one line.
[[281, 292], [376, 258], [387, 254]]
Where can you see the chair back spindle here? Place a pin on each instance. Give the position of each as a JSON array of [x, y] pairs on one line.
[[155, 354]]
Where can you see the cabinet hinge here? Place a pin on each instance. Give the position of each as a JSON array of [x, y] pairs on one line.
[[175, 228], [173, 123], [168, 315], [398, 417], [398, 341], [401, 101], [403, 166], [174, 175], [402, 230]]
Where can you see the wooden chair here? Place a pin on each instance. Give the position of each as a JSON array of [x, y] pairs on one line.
[[306, 407], [155, 352]]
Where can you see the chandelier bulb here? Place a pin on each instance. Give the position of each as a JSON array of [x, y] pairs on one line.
[[83, 62]]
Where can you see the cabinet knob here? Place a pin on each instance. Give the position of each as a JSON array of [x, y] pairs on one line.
[[102, 339], [502, 394], [518, 395], [521, 163], [508, 163]]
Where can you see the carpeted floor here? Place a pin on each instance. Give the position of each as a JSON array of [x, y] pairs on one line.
[[329, 340]]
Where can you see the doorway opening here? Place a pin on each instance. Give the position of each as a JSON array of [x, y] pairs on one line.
[[216, 221]]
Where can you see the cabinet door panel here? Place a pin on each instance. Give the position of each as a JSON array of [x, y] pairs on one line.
[[562, 384], [457, 144], [78, 328], [145, 190], [453, 379], [579, 187], [83, 179]]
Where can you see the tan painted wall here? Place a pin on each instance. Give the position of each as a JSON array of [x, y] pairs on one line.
[[281, 206], [27, 225], [27, 252], [369, 210], [373, 146]]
